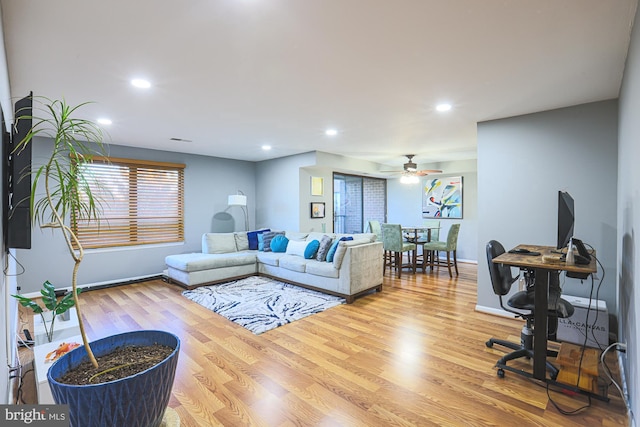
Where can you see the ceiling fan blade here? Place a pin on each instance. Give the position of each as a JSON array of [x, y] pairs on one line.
[[427, 172]]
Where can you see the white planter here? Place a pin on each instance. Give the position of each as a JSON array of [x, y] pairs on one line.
[[61, 328]]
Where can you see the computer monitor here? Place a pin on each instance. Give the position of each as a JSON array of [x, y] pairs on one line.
[[565, 219]]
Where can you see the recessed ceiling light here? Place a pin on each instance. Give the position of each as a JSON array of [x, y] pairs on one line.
[[104, 121], [141, 83], [443, 107], [266, 147], [331, 132]]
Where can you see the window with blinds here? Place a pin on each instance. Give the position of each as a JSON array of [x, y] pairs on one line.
[[141, 203]]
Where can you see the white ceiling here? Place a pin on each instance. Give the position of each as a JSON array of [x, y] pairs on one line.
[[232, 75]]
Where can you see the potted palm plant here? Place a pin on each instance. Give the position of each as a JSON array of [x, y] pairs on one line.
[[140, 396]]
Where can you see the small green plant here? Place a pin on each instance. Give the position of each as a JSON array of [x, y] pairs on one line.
[[51, 302]]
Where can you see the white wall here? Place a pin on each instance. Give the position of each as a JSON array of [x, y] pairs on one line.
[[404, 205], [522, 163], [628, 218], [278, 184]]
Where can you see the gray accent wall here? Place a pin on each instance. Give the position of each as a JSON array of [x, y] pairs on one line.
[[522, 163], [208, 183], [628, 218]]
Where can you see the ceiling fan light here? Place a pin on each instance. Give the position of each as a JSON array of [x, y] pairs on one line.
[[409, 179]]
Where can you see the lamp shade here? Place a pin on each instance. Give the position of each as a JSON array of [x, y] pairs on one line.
[[237, 200]]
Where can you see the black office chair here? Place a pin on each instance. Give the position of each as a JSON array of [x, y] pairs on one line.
[[523, 301]]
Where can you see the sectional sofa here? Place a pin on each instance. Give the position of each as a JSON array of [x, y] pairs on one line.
[[349, 267]]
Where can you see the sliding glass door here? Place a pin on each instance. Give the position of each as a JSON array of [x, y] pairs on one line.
[[356, 200]]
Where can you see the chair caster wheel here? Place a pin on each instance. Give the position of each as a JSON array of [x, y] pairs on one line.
[[489, 344], [500, 373]]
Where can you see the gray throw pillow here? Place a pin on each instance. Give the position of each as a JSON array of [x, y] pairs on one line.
[[325, 244], [267, 237]]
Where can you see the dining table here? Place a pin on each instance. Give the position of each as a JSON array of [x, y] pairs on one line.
[[411, 233]]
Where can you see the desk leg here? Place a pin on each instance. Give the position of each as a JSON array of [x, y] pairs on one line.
[[540, 324]]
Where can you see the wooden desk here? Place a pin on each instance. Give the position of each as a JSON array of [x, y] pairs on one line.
[[542, 271]]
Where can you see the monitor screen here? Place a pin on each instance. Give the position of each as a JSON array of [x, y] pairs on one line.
[[565, 219]]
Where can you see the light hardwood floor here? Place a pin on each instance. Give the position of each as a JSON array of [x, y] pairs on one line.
[[412, 355]]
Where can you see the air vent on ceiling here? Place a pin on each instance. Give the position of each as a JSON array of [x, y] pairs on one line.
[[180, 140]]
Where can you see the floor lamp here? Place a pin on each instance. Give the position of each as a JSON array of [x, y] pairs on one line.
[[240, 200]]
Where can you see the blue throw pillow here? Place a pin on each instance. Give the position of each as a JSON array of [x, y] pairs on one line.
[[279, 243], [334, 246], [332, 251], [311, 249], [252, 236]]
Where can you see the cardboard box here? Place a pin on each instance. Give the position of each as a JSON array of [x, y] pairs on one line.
[[573, 329]]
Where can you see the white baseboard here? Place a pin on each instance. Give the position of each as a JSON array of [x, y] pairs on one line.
[[101, 284], [494, 311]]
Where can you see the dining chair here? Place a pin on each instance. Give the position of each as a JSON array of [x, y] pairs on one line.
[[450, 247], [395, 247], [374, 227], [433, 234]]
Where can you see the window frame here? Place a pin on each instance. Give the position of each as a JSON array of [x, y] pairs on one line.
[[140, 230]]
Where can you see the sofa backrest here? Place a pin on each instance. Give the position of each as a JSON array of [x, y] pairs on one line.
[[219, 243]]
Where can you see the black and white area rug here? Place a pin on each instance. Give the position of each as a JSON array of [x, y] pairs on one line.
[[261, 304]]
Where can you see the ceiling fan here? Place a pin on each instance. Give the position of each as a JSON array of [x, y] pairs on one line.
[[410, 168]]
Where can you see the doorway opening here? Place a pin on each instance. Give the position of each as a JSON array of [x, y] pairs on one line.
[[357, 200]]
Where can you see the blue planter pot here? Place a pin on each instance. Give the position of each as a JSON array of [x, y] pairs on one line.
[[138, 400]]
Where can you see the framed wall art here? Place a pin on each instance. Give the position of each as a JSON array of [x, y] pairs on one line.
[[317, 186], [442, 197], [317, 209]]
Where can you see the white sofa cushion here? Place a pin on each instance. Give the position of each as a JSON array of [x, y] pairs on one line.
[[295, 235], [370, 237], [270, 258], [197, 262], [219, 243], [320, 268], [242, 241], [314, 235], [294, 263]]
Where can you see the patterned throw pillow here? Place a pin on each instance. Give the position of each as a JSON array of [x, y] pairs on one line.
[[267, 237], [325, 245]]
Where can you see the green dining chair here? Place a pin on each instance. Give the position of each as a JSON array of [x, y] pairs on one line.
[[395, 247], [374, 227], [425, 237], [450, 247]]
